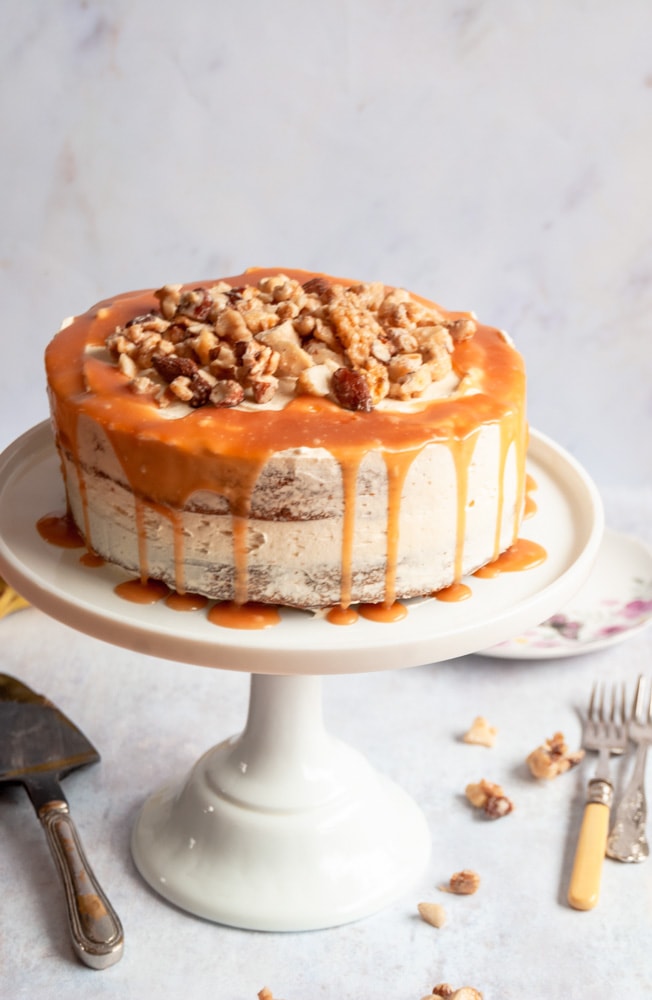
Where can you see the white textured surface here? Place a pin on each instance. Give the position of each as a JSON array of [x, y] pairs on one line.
[[494, 156]]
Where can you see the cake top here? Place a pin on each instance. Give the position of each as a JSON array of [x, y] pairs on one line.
[[101, 370], [278, 336]]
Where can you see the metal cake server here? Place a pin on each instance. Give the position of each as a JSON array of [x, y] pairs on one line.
[[38, 746]]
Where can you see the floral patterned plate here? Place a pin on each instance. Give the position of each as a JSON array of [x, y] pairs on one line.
[[615, 602]]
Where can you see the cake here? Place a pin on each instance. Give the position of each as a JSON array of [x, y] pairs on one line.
[[289, 438]]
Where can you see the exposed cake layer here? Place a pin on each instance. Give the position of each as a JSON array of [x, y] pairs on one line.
[[307, 503]]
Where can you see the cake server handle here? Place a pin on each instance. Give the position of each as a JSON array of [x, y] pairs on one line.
[[96, 931]]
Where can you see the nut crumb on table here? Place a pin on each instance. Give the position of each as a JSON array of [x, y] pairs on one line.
[[446, 991], [462, 883], [489, 797], [553, 758], [480, 733], [432, 913]]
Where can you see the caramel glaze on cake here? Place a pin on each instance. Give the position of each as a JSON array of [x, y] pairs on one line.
[[310, 505]]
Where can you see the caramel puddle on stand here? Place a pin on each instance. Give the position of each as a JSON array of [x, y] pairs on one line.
[[456, 592], [142, 591], [60, 530], [92, 559], [247, 616], [342, 616], [185, 602], [383, 613], [523, 554]]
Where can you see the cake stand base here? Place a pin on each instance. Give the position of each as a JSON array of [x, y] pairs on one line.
[[282, 828]]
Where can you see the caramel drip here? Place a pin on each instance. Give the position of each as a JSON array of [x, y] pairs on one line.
[[520, 437], [241, 582], [177, 536], [523, 554], [462, 452], [531, 506], [398, 466], [142, 539], [223, 451], [349, 483]]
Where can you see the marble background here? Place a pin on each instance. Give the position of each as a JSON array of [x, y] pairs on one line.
[[494, 156]]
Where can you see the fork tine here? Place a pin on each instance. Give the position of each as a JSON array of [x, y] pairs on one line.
[[638, 707], [623, 704], [593, 710]]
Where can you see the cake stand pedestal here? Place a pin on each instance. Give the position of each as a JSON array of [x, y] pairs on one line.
[[284, 827]]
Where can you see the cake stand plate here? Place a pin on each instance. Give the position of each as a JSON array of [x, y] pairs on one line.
[[569, 523], [283, 827]]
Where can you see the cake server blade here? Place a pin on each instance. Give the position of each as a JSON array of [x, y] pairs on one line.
[[38, 747]]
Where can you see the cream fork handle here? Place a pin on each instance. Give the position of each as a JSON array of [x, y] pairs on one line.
[[584, 886], [627, 840]]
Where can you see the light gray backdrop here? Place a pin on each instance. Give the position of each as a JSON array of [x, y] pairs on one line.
[[493, 156]]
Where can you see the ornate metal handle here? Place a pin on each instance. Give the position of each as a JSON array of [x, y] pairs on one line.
[[96, 931], [627, 840]]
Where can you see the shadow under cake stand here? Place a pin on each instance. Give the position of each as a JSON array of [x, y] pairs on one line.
[[285, 827]]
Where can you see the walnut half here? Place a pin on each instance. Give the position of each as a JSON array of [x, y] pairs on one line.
[[490, 797], [553, 758]]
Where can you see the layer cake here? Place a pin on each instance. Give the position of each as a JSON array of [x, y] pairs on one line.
[[290, 438]]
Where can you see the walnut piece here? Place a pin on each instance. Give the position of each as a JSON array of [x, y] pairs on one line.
[[481, 733], [384, 342], [553, 758], [463, 883], [432, 913], [447, 991], [489, 797]]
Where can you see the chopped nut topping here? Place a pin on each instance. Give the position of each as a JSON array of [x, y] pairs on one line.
[[553, 758], [463, 883], [442, 990], [481, 733], [490, 797], [432, 913], [377, 342]]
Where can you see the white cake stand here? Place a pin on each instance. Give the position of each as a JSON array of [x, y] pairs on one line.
[[283, 827]]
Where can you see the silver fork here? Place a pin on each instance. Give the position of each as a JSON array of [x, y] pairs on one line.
[[627, 840], [605, 730]]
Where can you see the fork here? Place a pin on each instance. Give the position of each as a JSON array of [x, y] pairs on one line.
[[627, 840], [605, 730]]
